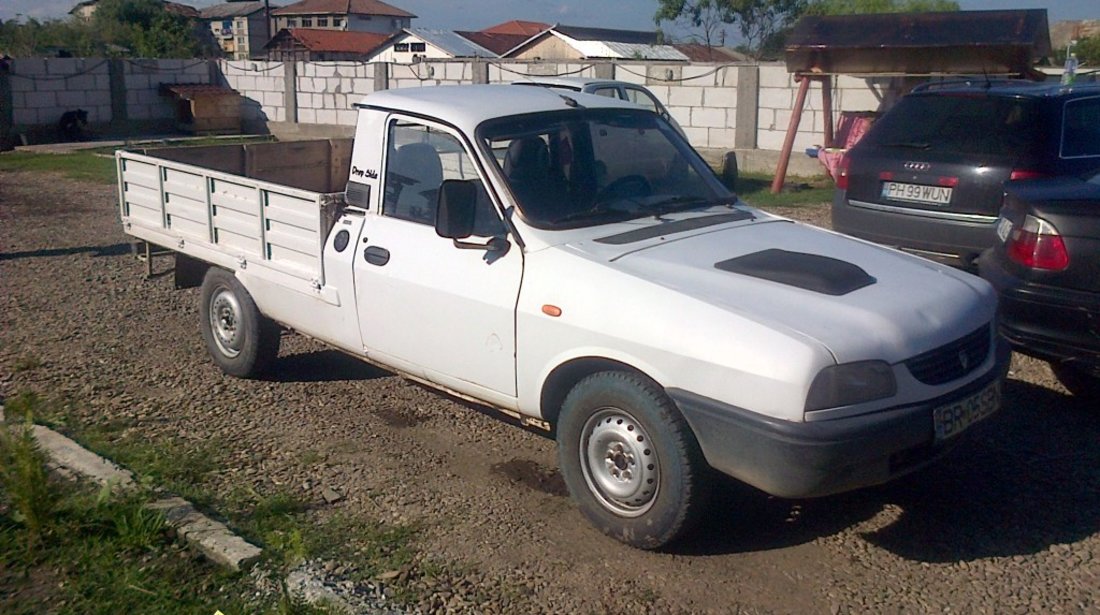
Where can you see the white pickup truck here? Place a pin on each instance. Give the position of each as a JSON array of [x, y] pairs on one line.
[[569, 260]]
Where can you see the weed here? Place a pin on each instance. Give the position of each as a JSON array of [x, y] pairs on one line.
[[26, 484], [27, 363], [24, 406], [138, 527], [81, 166]]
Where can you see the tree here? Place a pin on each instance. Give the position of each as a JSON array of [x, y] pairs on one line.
[[860, 7], [702, 14], [758, 21]]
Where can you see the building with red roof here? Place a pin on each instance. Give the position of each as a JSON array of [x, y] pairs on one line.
[[347, 15], [311, 44]]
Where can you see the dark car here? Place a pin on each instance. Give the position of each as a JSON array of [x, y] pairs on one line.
[[929, 175], [1046, 269]]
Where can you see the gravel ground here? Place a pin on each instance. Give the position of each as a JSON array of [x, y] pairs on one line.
[[1007, 523]]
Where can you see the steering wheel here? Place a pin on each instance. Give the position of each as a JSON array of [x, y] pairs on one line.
[[625, 187]]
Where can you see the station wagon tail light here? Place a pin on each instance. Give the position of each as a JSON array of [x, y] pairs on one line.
[[1038, 245], [842, 172], [1024, 174]]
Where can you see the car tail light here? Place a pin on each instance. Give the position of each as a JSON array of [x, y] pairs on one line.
[[1024, 174], [1038, 245], [842, 172]]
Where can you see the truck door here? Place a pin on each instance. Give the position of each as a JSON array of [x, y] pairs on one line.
[[425, 306]]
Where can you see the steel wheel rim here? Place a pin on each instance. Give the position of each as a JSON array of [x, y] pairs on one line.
[[619, 462], [225, 322]]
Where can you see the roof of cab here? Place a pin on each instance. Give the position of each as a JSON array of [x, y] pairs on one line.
[[466, 106], [577, 83]]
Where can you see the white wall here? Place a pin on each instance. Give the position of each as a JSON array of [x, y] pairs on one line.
[[701, 97]]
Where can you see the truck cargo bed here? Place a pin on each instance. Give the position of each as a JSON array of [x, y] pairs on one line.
[[222, 205]]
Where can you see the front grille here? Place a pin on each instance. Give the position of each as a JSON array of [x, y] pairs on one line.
[[953, 360]]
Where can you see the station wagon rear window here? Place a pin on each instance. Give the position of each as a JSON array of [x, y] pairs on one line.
[[962, 123], [1081, 128]]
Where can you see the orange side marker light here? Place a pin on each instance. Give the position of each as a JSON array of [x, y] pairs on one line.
[[551, 310]]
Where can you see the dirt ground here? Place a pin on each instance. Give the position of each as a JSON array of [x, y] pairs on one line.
[[1007, 523]]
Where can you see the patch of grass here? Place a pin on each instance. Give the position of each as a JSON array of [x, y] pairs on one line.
[[178, 467], [283, 524], [97, 551], [26, 363], [81, 166], [755, 189]]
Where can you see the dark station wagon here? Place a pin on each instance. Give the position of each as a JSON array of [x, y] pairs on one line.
[[929, 176]]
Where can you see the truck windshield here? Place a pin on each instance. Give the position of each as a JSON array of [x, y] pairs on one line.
[[586, 167]]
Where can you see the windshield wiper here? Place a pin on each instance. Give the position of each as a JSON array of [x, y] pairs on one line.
[[911, 144], [594, 213], [684, 203]]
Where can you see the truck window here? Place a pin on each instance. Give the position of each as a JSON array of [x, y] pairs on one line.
[[643, 98], [420, 159]]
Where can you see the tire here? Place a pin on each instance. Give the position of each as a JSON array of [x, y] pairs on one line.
[[1080, 382], [241, 341], [609, 423]]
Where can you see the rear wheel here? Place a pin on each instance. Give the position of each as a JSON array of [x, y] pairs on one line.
[[1079, 381], [630, 460], [241, 341]]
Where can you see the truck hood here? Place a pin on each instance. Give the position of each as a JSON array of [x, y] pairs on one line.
[[859, 300]]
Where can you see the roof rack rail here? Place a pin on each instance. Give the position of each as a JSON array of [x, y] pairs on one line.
[[988, 82]]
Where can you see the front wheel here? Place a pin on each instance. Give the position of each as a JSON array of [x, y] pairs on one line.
[[241, 340], [630, 460], [1079, 381]]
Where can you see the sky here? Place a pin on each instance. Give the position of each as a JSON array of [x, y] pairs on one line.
[[620, 14]]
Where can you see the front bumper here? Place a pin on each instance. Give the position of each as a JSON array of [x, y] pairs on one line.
[[1053, 324], [800, 460]]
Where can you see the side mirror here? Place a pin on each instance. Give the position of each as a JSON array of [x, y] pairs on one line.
[[454, 217]]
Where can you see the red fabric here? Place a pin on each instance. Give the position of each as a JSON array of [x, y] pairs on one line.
[[851, 128]]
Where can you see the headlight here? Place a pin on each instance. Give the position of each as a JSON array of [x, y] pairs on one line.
[[851, 383]]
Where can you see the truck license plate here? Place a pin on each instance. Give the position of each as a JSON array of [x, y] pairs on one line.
[[954, 418], [917, 193]]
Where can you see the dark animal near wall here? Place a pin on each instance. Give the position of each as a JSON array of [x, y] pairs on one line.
[[71, 125]]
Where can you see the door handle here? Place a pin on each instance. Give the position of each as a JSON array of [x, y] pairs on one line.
[[376, 255]]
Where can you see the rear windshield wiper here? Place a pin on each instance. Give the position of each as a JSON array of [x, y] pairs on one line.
[[910, 144]]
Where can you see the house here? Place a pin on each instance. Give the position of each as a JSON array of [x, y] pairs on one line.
[[311, 44], [517, 27], [240, 28], [86, 9], [504, 37], [581, 43], [347, 15], [697, 52], [413, 45]]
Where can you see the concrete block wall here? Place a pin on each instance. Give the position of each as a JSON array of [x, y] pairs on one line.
[[326, 91], [143, 78], [44, 88], [703, 97], [261, 84]]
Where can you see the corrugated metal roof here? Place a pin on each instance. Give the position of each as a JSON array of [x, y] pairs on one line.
[[627, 51], [232, 9], [606, 34], [342, 7], [451, 43], [499, 44]]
